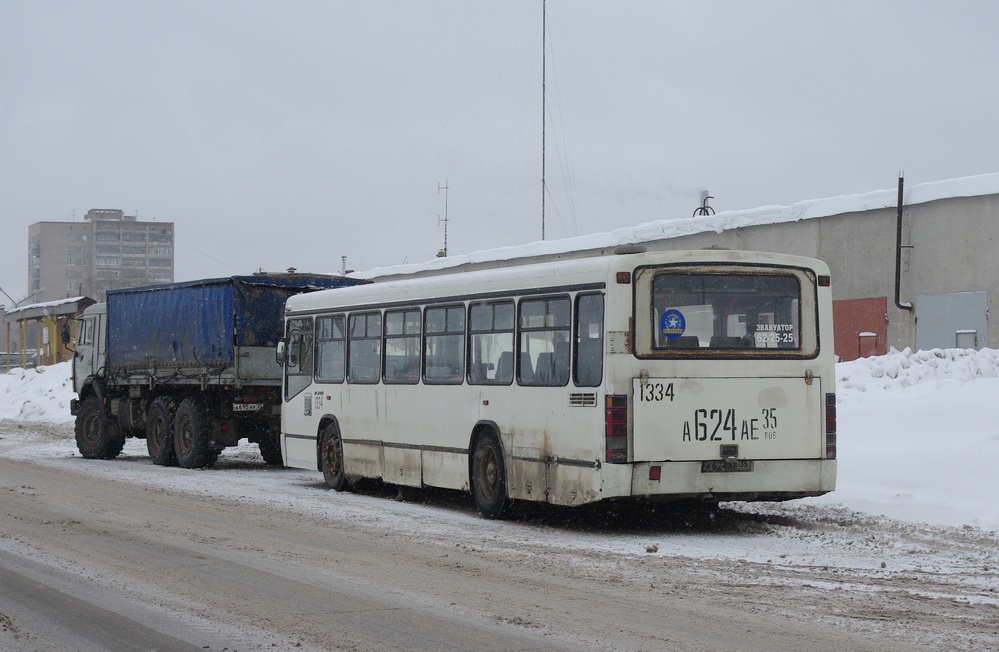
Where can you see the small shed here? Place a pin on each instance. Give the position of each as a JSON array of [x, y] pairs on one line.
[[41, 324]]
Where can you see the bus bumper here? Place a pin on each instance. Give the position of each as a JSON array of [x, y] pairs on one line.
[[765, 480]]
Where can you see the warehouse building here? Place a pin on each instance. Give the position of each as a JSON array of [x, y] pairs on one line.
[[921, 274]]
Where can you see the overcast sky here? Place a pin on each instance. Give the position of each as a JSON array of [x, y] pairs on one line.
[[279, 134]]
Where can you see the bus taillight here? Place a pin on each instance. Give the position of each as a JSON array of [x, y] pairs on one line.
[[616, 427], [830, 426]]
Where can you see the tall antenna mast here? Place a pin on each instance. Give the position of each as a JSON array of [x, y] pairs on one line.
[[442, 253], [544, 29]]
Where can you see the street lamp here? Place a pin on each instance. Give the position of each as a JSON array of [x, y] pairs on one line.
[[18, 303]]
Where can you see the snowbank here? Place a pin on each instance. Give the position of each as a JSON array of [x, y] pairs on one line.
[[41, 394], [908, 374], [919, 436]]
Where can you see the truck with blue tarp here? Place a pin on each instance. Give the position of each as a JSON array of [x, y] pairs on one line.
[[189, 367]]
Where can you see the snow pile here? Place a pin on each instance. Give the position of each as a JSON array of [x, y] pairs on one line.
[[41, 394], [918, 436], [931, 371]]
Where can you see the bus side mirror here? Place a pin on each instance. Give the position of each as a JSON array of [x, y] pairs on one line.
[[281, 352]]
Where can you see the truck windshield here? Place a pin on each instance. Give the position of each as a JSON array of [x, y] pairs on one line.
[[726, 311]]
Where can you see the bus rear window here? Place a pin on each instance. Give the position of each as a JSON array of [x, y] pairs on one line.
[[722, 312]]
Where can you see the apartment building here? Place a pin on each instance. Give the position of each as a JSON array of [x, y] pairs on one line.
[[106, 250]]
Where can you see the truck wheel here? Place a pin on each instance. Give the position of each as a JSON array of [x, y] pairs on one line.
[[489, 477], [331, 459], [270, 450], [192, 435], [96, 437], [159, 432]]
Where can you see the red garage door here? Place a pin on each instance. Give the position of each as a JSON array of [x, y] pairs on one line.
[[861, 327]]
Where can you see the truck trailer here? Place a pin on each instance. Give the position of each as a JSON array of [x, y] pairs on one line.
[[189, 367]]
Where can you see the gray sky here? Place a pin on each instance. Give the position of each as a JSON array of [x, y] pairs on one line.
[[279, 134]]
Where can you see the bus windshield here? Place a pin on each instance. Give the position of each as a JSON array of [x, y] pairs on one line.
[[726, 311]]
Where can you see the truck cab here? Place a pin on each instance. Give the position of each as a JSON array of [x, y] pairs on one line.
[[91, 347]]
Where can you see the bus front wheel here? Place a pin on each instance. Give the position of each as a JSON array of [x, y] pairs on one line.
[[489, 477], [331, 459]]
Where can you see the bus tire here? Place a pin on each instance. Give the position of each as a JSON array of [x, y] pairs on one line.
[[331, 459], [159, 432], [97, 437], [489, 477], [192, 434]]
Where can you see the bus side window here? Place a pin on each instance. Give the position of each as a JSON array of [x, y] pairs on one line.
[[402, 346], [544, 338], [490, 336], [364, 348], [444, 345], [330, 338], [589, 353]]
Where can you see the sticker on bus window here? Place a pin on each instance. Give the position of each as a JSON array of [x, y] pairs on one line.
[[672, 324]]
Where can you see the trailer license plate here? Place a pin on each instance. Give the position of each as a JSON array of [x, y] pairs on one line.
[[726, 466]]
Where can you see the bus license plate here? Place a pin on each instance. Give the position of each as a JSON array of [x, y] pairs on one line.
[[726, 466]]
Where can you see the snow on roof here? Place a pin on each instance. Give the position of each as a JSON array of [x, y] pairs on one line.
[[983, 184], [45, 305]]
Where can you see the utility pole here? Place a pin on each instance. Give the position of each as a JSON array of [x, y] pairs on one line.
[[442, 253], [544, 28]]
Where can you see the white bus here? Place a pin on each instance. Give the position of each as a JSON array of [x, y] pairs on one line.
[[704, 375]]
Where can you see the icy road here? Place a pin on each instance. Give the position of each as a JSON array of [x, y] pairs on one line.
[[125, 555]]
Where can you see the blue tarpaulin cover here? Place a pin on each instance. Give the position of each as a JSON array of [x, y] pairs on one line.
[[200, 323]]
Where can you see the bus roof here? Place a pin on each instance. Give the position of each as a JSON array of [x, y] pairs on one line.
[[561, 274]]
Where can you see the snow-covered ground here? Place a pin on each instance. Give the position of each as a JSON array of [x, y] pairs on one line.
[[918, 432]]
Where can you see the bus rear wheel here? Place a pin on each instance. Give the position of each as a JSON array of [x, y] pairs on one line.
[[331, 459], [159, 432], [489, 477]]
